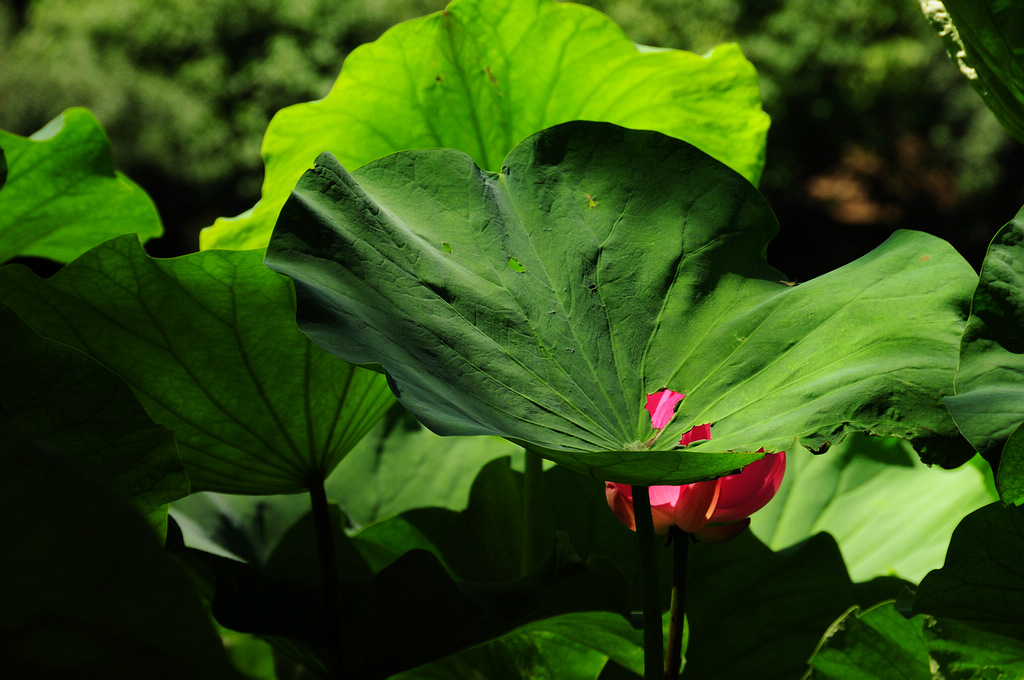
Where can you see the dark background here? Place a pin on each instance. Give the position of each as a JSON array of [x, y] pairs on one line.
[[873, 127]]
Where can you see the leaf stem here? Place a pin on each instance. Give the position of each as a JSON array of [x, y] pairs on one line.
[[533, 480], [329, 577], [654, 640], [677, 616]]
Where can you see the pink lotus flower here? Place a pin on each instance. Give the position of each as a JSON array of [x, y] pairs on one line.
[[713, 511]]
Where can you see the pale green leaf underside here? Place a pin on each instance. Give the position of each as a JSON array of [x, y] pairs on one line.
[[485, 74], [62, 195], [642, 268], [890, 514], [209, 344]]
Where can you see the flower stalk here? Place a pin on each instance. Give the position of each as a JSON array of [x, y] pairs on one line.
[[677, 614], [654, 640], [329, 577]]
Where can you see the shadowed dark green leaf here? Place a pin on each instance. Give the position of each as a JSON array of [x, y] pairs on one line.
[[1011, 468], [483, 75], [62, 194], [986, 40], [758, 614], [87, 590], [427, 614], [208, 342], [3, 168], [877, 644], [57, 395], [890, 513], [662, 284], [989, 402], [972, 605], [980, 582]]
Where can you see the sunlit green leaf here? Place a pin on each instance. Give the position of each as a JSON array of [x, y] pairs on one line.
[[483, 75], [58, 396], [62, 195], [890, 513], [989, 402], [209, 344], [663, 284]]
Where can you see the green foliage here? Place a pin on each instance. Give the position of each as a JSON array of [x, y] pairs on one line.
[[185, 87], [87, 588], [962, 622], [890, 514], [987, 406], [208, 343], [540, 300], [877, 644], [61, 195], [615, 302], [55, 394], [984, 38], [494, 73], [778, 602]]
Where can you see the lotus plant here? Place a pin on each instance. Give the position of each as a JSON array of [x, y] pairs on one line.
[[712, 511]]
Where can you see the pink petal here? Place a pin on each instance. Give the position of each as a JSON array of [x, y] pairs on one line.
[[661, 406], [696, 505], [745, 493], [620, 500], [696, 434]]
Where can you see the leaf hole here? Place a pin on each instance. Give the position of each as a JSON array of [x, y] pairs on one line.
[[514, 265]]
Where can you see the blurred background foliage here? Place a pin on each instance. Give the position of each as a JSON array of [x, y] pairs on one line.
[[873, 128]]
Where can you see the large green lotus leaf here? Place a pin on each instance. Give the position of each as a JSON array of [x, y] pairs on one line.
[[989, 402], [62, 194], [986, 38], [88, 591], [209, 344], [483, 75], [877, 644], [543, 304], [890, 513], [59, 396]]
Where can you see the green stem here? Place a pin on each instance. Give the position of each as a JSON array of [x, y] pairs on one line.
[[329, 577], [654, 640], [533, 479], [677, 615]]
